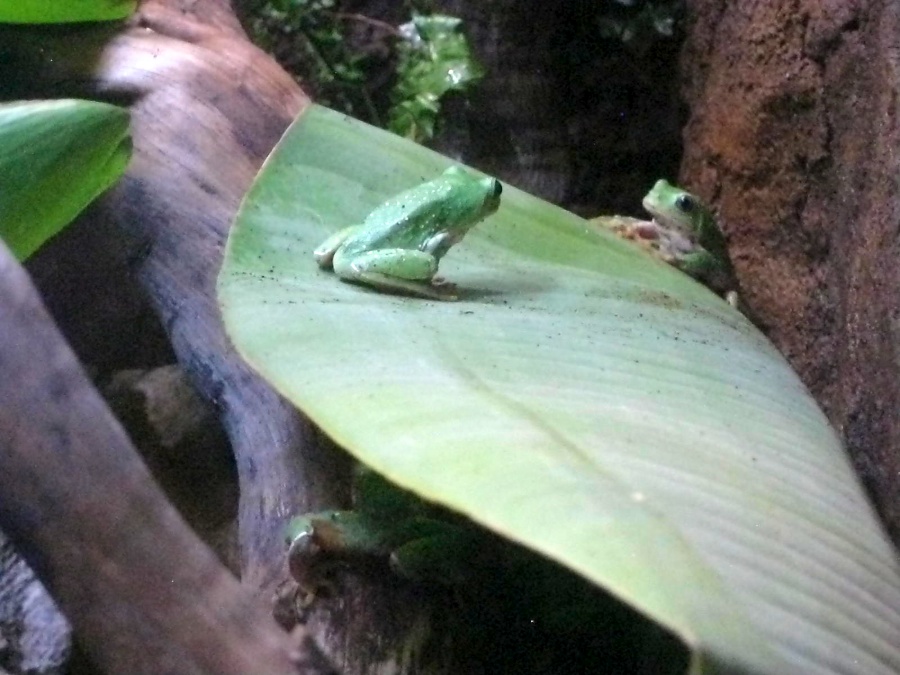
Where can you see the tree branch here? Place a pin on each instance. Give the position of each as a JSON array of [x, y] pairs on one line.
[[91, 521]]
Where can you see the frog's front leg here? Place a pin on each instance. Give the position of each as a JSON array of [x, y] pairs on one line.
[[447, 555], [319, 541], [324, 253], [394, 269], [439, 244], [714, 273], [699, 264]]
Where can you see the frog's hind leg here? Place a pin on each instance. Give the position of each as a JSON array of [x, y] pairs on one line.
[[404, 286], [397, 270], [324, 253]]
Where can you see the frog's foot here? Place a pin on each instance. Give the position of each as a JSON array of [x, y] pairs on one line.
[[645, 230], [421, 289], [324, 253], [396, 270], [645, 233], [447, 288], [311, 569]]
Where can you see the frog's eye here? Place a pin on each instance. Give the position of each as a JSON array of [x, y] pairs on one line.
[[685, 203], [497, 190]]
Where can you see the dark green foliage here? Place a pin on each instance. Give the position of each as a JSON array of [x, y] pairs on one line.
[[435, 59], [639, 24], [69, 11], [309, 39], [367, 67]]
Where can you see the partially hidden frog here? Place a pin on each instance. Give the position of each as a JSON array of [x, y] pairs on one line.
[[682, 233], [495, 585], [417, 540], [400, 243]]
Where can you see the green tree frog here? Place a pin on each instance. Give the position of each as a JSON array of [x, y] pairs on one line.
[[486, 595], [419, 541], [678, 210], [682, 233], [427, 545], [399, 245]]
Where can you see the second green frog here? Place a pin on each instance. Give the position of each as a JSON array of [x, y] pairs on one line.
[[684, 234]]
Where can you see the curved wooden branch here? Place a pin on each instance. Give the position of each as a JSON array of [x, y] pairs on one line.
[[205, 113], [91, 521], [207, 107], [207, 89]]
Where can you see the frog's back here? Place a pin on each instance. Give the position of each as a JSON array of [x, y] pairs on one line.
[[711, 237], [409, 205], [403, 219]]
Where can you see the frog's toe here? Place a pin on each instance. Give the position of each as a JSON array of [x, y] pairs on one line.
[[442, 283], [447, 289], [324, 258], [421, 289]]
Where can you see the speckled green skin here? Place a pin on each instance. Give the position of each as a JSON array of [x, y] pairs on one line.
[[420, 542], [494, 583], [400, 244]]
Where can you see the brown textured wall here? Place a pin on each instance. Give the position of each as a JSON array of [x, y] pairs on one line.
[[793, 135]]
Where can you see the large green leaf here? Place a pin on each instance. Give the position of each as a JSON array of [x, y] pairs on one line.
[[64, 11], [582, 399], [55, 158]]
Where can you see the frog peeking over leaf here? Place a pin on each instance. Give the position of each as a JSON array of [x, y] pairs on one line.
[[682, 233]]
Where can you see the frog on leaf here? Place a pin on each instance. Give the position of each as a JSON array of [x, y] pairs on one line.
[[682, 233], [399, 245]]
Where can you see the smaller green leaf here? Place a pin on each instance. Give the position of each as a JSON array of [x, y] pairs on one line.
[[55, 158], [64, 11]]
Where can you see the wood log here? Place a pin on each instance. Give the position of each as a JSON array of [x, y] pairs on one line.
[[145, 595]]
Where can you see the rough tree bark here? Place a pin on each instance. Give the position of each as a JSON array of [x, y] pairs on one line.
[[91, 521], [207, 107], [793, 134]]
